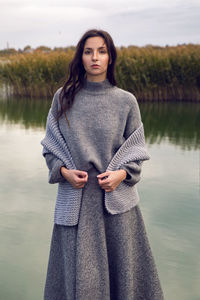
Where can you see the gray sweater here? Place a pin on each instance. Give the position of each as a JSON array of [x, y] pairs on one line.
[[105, 133], [103, 116]]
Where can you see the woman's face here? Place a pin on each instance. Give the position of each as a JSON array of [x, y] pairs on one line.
[[95, 58]]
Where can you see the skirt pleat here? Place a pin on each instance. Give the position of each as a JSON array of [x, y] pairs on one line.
[[104, 257]]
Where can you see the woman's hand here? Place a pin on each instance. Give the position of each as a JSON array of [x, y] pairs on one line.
[[112, 179], [77, 178]]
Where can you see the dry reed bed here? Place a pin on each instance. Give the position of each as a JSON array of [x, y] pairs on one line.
[[151, 73]]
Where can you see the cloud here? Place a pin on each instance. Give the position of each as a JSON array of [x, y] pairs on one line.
[[161, 25], [61, 23]]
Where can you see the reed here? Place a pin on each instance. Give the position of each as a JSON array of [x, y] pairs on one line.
[[151, 73], [36, 75], [156, 73]]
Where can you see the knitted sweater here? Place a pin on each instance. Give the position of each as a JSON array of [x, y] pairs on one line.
[[103, 117]]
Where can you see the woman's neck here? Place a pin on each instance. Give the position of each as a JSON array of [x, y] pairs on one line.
[[97, 86], [98, 78]]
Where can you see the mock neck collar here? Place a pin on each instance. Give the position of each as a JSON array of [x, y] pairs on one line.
[[97, 86]]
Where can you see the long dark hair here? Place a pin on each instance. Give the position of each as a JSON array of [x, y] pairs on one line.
[[76, 71]]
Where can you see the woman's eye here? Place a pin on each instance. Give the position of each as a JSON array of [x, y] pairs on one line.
[[101, 51]]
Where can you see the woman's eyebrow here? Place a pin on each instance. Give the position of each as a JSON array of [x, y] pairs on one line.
[[102, 47]]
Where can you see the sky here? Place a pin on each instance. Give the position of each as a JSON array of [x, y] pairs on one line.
[[61, 23]]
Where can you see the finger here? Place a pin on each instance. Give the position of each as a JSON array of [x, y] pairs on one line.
[[81, 173], [79, 186], [103, 174], [104, 181], [103, 186], [107, 190], [81, 180]]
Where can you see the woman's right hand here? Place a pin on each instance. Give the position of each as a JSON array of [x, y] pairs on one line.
[[77, 178]]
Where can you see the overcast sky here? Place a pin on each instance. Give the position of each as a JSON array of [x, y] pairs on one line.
[[130, 22]]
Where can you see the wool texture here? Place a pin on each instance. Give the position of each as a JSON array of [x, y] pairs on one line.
[[121, 146], [99, 248], [104, 256]]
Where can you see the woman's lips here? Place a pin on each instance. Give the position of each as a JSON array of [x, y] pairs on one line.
[[95, 66]]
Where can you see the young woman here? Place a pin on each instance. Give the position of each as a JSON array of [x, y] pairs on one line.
[[94, 148]]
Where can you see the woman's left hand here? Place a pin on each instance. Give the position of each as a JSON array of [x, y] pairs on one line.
[[110, 180]]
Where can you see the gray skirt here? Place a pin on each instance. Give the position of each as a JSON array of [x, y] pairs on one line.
[[104, 257]]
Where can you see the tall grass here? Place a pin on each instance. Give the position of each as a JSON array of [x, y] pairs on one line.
[[36, 75], [151, 73], [155, 73]]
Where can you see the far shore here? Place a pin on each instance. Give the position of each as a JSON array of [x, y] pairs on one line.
[[151, 73]]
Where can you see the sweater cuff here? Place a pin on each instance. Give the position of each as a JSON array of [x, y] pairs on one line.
[[133, 170], [55, 174], [127, 172]]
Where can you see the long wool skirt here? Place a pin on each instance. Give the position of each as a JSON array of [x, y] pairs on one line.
[[104, 257]]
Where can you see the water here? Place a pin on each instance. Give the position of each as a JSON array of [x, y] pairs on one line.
[[169, 193]]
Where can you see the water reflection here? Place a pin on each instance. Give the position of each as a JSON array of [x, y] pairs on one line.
[[180, 122], [27, 112], [169, 193]]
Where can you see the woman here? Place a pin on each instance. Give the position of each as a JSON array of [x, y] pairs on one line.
[[94, 148]]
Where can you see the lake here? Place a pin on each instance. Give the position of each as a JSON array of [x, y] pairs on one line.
[[169, 197]]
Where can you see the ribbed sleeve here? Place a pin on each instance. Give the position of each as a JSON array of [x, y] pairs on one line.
[[134, 118], [133, 168], [133, 150]]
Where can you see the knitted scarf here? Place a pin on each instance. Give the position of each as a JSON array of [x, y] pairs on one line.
[[68, 200]]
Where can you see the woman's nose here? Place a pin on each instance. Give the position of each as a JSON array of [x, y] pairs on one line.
[[94, 56]]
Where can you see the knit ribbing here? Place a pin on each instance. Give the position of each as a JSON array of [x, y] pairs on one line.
[[123, 198], [68, 198]]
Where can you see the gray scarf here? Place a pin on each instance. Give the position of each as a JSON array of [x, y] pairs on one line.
[[68, 201]]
